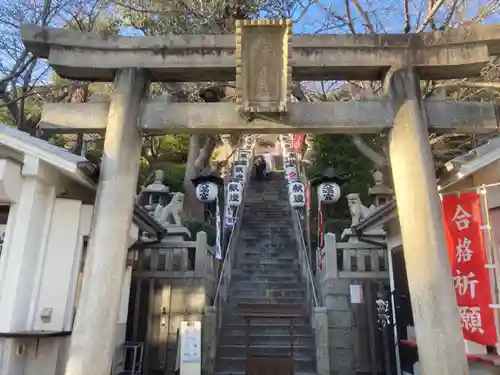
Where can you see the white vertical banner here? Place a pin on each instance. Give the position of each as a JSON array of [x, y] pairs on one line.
[[218, 249]]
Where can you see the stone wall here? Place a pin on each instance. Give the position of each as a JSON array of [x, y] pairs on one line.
[[350, 328], [335, 297]]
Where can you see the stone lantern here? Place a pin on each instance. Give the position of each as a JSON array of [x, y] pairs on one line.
[[156, 193], [380, 192]]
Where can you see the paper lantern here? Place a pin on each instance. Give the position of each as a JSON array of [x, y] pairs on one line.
[[297, 194], [206, 192], [239, 172], [328, 192], [292, 157], [234, 193], [291, 173], [230, 212], [244, 157]]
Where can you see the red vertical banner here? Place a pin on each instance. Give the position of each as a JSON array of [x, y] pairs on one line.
[[320, 236], [298, 141], [463, 222], [308, 196]]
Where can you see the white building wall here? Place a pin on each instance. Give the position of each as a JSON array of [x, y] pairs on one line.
[[39, 268]]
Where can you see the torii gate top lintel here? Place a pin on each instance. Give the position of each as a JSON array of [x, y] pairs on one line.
[[263, 57], [454, 53]]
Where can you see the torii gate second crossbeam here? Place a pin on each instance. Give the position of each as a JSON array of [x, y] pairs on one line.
[[264, 57]]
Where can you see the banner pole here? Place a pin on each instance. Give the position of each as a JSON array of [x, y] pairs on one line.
[[494, 271]]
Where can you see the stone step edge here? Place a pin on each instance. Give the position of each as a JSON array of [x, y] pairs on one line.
[[243, 358], [262, 346], [283, 335]]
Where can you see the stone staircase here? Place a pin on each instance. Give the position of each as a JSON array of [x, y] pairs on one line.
[[266, 272]]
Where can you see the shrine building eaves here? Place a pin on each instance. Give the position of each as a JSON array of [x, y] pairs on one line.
[[466, 165], [453, 53], [15, 144], [460, 168]]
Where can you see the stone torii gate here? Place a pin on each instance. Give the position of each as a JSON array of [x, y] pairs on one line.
[[263, 57]]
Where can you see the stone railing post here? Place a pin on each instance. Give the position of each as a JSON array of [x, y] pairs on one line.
[[201, 255], [209, 340], [330, 268], [320, 326]]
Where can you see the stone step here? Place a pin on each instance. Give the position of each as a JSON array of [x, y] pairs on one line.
[[264, 261], [235, 318], [266, 292], [267, 228], [270, 340], [266, 251], [244, 372], [262, 246], [282, 259], [279, 285], [269, 204], [272, 206], [266, 329], [266, 239], [300, 351], [234, 300], [237, 364], [266, 224], [267, 273], [264, 278], [267, 268]]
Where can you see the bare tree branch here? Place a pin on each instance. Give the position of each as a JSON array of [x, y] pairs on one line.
[[430, 15]]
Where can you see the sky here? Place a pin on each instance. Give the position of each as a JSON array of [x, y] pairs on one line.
[[388, 17]]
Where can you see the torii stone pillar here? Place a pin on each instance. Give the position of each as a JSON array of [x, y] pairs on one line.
[[93, 338], [441, 348]]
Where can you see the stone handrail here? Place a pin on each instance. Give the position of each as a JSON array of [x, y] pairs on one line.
[[358, 260], [176, 258], [305, 265], [212, 321]]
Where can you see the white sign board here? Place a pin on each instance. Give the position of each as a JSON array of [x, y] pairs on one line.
[[190, 342], [356, 294]]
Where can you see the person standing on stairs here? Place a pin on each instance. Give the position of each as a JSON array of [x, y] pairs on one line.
[[260, 167], [269, 161]]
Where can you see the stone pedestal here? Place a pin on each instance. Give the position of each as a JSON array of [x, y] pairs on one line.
[[440, 343], [320, 326], [93, 339], [209, 340]]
